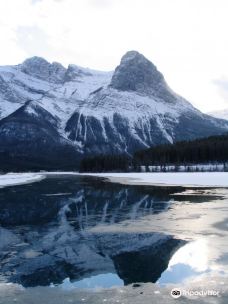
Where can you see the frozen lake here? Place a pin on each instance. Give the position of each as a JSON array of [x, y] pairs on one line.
[[78, 239]]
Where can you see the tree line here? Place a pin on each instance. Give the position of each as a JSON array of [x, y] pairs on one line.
[[213, 149], [206, 150], [105, 163]]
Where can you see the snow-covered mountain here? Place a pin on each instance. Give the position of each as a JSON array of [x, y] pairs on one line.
[[47, 109], [223, 114]]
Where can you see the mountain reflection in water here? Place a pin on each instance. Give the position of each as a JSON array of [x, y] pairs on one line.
[[47, 233]]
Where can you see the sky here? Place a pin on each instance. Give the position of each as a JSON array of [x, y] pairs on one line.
[[186, 39]]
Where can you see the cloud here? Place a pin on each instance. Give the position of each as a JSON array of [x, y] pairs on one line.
[[222, 87], [101, 4], [35, 1], [33, 40], [178, 36]]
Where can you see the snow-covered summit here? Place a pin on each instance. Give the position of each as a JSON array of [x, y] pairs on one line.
[[57, 89]]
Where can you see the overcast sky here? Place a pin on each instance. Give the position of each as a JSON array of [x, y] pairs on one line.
[[186, 39]]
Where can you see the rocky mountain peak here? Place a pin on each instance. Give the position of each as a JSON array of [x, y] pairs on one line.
[[133, 56], [34, 64], [40, 68], [136, 73]]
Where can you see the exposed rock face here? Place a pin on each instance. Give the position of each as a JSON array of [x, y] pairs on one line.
[[136, 73], [94, 112], [42, 69]]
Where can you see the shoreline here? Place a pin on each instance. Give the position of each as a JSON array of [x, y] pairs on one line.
[[16, 179], [168, 179], [188, 180]]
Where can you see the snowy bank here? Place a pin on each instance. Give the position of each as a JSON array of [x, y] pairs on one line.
[[194, 179], [191, 179], [13, 179]]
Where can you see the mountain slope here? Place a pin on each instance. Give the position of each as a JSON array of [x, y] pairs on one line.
[[47, 107], [30, 140]]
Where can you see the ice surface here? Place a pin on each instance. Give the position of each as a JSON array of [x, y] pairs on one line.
[[195, 179], [207, 179], [12, 179]]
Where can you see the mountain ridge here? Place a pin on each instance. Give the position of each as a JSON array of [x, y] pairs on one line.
[[95, 112]]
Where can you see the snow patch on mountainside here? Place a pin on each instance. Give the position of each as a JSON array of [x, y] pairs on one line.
[[132, 105], [61, 99]]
